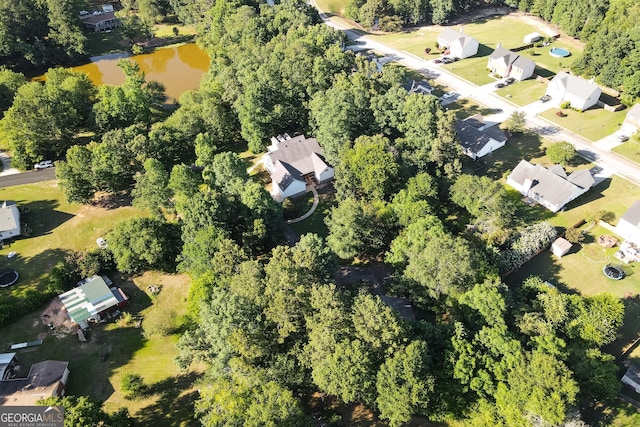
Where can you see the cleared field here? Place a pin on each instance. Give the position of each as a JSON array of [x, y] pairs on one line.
[[593, 124], [523, 93], [630, 150]]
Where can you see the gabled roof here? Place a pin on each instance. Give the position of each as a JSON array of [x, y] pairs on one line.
[[295, 157], [575, 85], [89, 299], [547, 182], [96, 19], [472, 139], [284, 174], [504, 55], [582, 178], [9, 219], [634, 112], [632, 215], [633, 373], [450, 35], [522, 62], [41, 382]]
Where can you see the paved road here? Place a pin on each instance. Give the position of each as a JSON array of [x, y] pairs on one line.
[[598, 153], [27, 177]]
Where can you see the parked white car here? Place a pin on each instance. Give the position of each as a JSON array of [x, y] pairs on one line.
[[43, 165], [102, 244]]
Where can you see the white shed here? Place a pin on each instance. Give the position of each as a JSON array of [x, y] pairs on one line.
[[560, 247], [531, 37]]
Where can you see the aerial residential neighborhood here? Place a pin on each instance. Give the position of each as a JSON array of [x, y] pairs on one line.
[[325, 213]]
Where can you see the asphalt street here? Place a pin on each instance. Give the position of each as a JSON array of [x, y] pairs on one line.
[[27, 177]]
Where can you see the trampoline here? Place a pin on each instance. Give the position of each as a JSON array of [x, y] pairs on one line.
[[8, 278], [613, 272]]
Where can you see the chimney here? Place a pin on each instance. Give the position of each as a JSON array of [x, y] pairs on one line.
[[498, 46]]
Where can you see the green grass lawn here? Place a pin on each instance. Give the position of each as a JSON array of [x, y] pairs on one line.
[[102, 43], [524, 92], [332, 6], [473, 69], [58, 226], [465, 107], [630, 150], [593, 124], [315, 223]]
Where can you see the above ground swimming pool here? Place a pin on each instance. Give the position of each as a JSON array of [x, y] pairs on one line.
[[559, 52]]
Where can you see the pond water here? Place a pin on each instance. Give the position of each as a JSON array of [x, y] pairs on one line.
[[178, 68]]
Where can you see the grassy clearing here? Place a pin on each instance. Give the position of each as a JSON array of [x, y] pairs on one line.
[[332, 6], [102, 43], [473, 69], [315, 223], [523, 93], [58, 226], [465, 107], [593, 124], [630, 150]]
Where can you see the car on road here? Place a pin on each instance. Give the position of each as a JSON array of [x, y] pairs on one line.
[[447, 60], [622, 138], [437, 61], [500, 85], [545, 98], [510, 80], [448, 95], [43, 165]]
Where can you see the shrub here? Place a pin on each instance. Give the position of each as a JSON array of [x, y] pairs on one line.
[[136, 49], [574, 235], [133, 387], [561, 152], [602, 215], [530, 241], [565, 104]]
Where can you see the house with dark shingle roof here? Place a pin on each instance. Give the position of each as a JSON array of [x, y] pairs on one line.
[[101, 21], [581, 93], [478, 138], [629, 224], [458, 43], [551, 187], [292, 162], [45, 379], [9, 220]]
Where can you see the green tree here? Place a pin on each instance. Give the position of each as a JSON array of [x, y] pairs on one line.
[[561, 152], [368, 169], [10, 82], [133, 386], [376, 325], [82, 411], [574, 235], [516, 123], [140, 244], [404, 384], [151, 191], [75, 175], [485, 199]]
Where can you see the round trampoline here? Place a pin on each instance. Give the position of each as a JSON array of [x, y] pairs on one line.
[[558, 52], [613, 272], [8, 278]]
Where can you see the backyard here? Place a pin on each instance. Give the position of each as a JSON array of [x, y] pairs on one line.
[[593, 124]]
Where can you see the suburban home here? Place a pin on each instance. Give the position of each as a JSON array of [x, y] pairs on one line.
[[629, 224], [478, 138], [8, 362], [633, 117], [45, 379], [632, 378], [561, 247], [457, 43], [92, 299], [549, 186], [581, 93], [9, 220], [292, 162], [506, 63], [101, 21], [420, 87]]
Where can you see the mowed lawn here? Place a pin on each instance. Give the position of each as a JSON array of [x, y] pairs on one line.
[[524, 92], [630, 150], [58, 226], [593, 124]]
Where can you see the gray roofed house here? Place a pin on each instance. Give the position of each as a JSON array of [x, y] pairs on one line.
[[9, 220], [549, 186], [458, 43], [633, 116], [101, 22], [45, 379], [632, 378], [506, 63], [580, 93], [8, 361], [629, 224], [293, 161], [478, 138]]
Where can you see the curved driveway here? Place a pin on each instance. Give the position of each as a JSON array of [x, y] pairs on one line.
[[484, 95]]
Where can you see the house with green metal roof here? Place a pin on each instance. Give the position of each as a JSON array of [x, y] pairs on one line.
[[92, 299]]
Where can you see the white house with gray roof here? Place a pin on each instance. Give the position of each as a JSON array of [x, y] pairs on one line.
[[9, 220], [629, 224], [549, 186], [479, 138], [292, 162], [458, 43], [633, 117], [506, 63], [581, 93]]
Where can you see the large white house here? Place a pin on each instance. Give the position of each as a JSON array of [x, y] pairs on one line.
[[581, 93], [9, 220], [458, 43], [478, 138], [629, 224], [506, 63], [294, 161], [551, 187]]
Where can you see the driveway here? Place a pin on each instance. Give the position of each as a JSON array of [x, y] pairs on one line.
[[585, 148]]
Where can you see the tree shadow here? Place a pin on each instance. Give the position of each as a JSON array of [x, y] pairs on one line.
[[543, 265], [175, 404], [41, 216], [630, 331], [520, 146]]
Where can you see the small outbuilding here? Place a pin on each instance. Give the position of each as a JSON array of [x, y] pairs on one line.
[[561, 247], [9, 220], [632, 378], [92, 300], [531, 38]]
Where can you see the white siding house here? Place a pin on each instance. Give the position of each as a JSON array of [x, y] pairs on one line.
[[457, 43], [581, 93], [9, 220]]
